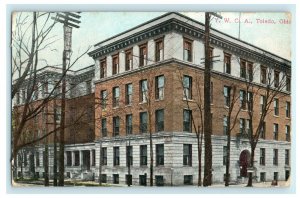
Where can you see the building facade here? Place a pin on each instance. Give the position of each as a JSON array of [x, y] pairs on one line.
[[148, 85]]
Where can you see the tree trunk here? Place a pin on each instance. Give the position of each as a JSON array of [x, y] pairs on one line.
[[251, 166], [207, 180], [55, 160], [228, 154], [46, 165], [151, 160], [100, 164]]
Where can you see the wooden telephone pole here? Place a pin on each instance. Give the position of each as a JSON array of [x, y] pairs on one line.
[[69, 20], [207, 180]]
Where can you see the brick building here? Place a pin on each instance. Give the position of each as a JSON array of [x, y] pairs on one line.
[[149, 80]]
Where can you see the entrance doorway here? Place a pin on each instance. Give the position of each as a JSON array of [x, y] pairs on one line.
[[244, 162]]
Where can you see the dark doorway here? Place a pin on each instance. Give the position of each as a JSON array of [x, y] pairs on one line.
[[287, 175], [244, 162], [86, 160]]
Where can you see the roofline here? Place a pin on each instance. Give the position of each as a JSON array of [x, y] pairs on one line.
[[193, 20]]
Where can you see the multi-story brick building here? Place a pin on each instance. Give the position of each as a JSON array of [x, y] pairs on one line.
[[149, 80]]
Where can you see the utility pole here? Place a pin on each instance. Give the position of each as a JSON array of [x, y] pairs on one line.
[[207, 180], [68, 19]]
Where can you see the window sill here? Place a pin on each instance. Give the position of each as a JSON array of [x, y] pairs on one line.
[[189, 100], [157, 100], [128, 105], [115, 107], [287, 118], [276, 116]]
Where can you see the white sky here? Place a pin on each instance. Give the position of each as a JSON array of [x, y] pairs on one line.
[[98, 26]]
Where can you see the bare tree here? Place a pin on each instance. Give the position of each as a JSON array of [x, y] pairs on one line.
[[25, 70], [231, 118]]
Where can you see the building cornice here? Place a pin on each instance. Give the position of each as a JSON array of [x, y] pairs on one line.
[[218, 39]]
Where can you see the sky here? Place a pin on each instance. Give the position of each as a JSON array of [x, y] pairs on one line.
[[273, 36]]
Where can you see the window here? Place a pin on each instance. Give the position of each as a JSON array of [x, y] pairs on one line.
[[128, 60], [276, 107], [129, 124], [187, 155], [116, 96], [116, 156], [93, 157], [143, 55], [263, 131], [262, 103], [103, 68], [36, 93], [275, 156], [25, 158], [128, 179], [129, 158], [225, 125], [159, 120], [128, 94], [262, 177], [227, 63], [115, 62], [288, 84], [242, 126], [287, 132], [57, 114], [69, 158], [224, 155], [159, 50], [243, 99], [17, 98], [104, 127], [37, 158], [248, 127], [187, 87], [187, 50], [287, 157], [250, 101], [275, 132], [188, 179], [262, 158], [76, 158], [287, 109], [103, 99], [143, 155], [88, 86], [23, 96], [250, 71], [187, 118], [159, 154], [159, 180], [143, 180], [45, 89], [143, 90], [159, 87], [243, 69], [226, 96], [143, 122], [116, 126], [275, 176], [116, 178], [276, 79], [263, 75], [103, 178], [104, 156]]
